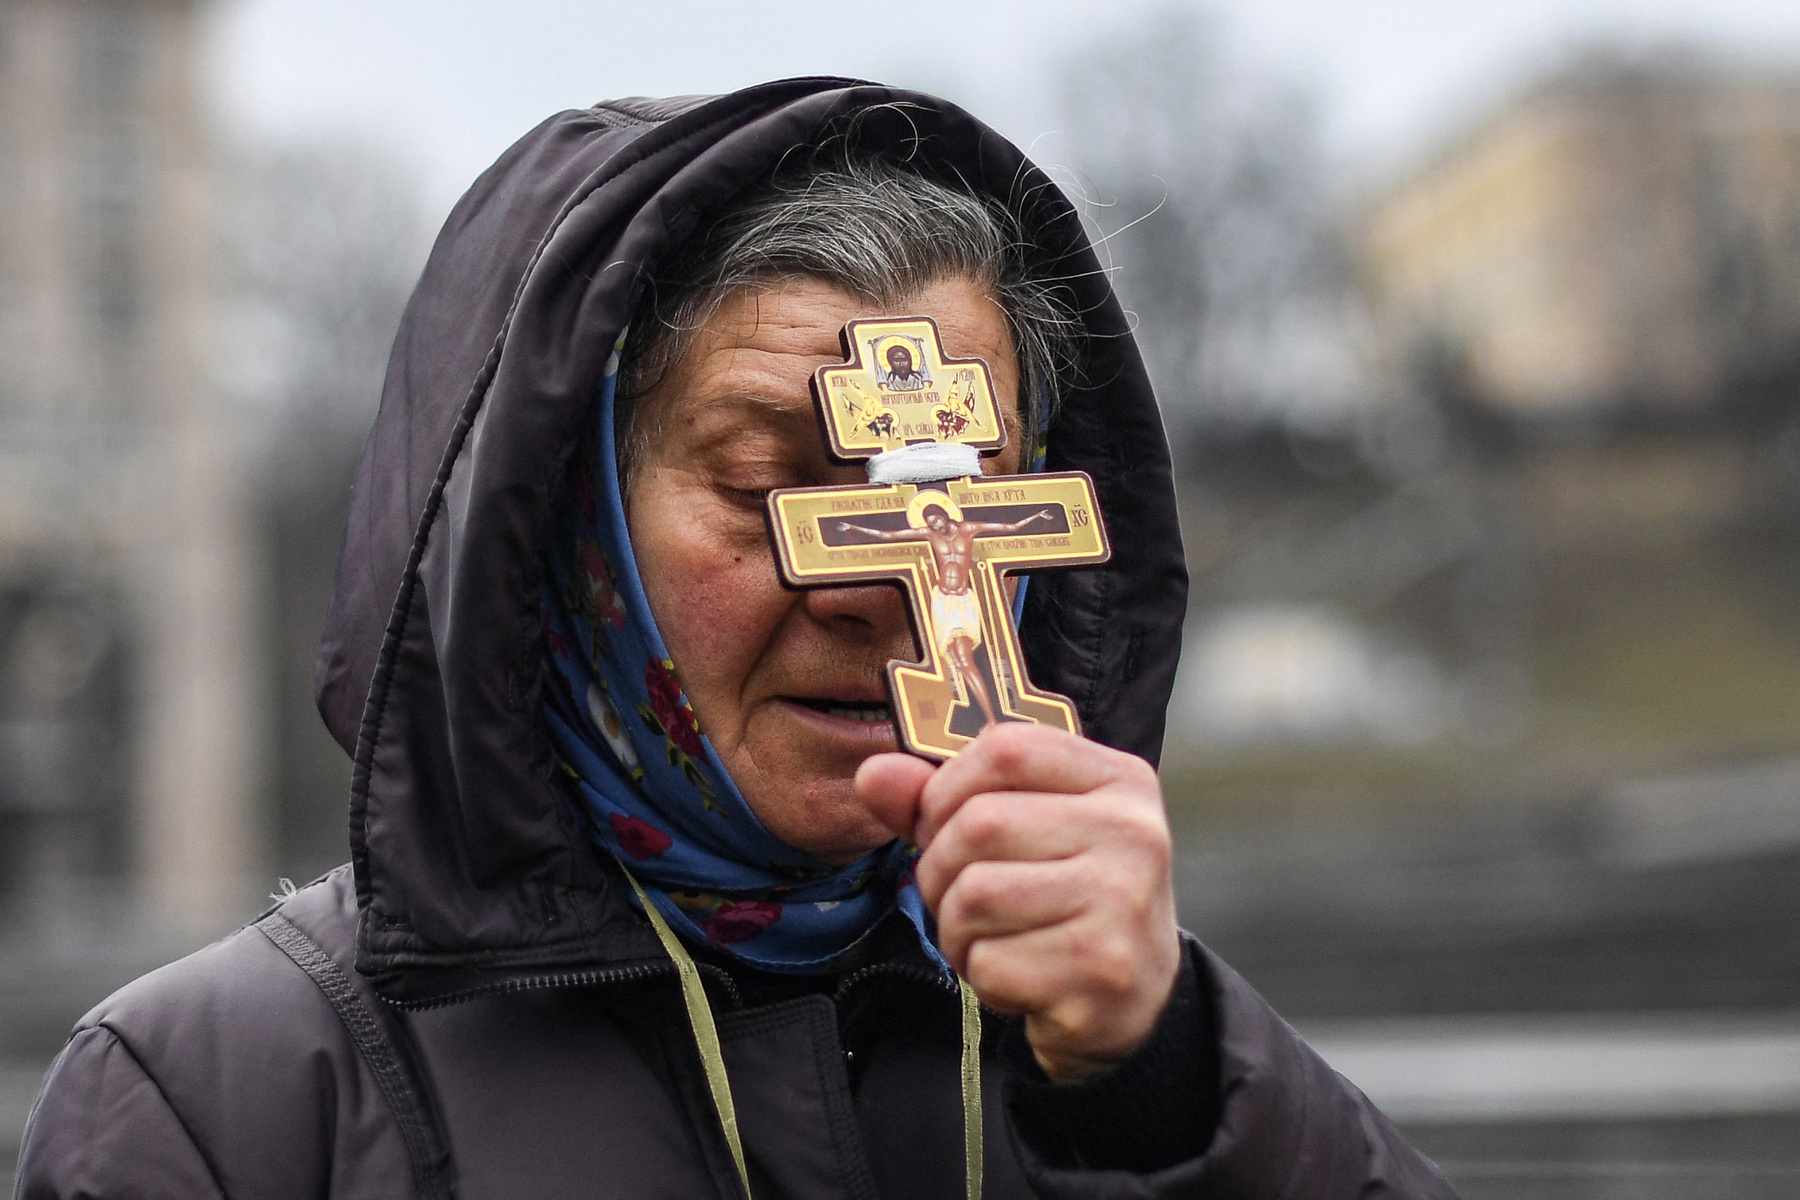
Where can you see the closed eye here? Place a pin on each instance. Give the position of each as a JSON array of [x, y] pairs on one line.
[[757, 498]]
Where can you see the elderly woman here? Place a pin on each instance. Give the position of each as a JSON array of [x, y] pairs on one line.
[[642, 901]]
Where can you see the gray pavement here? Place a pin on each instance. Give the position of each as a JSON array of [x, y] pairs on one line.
[[1539, 1067], [1714, 1158]]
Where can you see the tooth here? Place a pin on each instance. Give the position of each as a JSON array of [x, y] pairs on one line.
[[868, 713]]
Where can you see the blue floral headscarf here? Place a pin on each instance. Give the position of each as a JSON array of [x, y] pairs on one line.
[[654, 788]]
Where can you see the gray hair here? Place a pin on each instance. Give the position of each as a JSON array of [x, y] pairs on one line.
[[881, 231]]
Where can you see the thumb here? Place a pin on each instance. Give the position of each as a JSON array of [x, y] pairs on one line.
[[889, 785]]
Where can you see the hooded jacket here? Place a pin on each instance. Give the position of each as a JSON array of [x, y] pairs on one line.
[[472, 1007]]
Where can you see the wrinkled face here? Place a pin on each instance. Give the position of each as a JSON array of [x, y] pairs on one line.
[[789, 685]]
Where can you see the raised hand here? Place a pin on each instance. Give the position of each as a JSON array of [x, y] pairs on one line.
[[1046, 863]]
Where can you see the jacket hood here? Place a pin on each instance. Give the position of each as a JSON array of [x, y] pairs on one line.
[[465, 847]]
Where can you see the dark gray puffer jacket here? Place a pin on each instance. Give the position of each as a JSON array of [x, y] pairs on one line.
[[472, 1007]]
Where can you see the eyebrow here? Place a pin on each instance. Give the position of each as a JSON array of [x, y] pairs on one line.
[[785, 411]]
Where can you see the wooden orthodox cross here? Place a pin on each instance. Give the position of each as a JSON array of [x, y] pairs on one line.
[[932, 523]]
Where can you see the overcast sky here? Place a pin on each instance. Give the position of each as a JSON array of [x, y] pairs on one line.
[[452, 82]]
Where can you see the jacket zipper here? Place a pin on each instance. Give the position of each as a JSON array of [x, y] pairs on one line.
[[609, 975], [594, 978], [917, 974]]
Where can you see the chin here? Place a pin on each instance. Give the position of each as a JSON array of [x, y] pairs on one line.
[[827, 821], [839, 855]]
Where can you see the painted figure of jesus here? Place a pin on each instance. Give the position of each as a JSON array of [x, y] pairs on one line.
[[955, 608], [903, 376]]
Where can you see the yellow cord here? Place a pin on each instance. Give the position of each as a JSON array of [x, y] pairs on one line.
[[706, 1034], [971, 1087], [706, 1040]]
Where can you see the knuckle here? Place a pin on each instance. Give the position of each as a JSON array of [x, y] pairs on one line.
[[1003, 978], [980, 824], [1140, 774], [1072, 1020], [986, 970], [958, 949], [1013, 745], [1012, 734], [976, 894], [1153, 835], [1009, 754], [1107, 964], [1115, 969], [1144, 827], [1058, 1026]]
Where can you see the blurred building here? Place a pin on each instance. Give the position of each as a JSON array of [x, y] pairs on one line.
[[1569, 525], [1535, 615], [1488, 732], [128, 709], [1625, 235]]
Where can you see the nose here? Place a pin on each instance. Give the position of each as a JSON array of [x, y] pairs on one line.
[[873, 613]]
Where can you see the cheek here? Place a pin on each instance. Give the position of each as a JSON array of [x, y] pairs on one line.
[[717, 602]]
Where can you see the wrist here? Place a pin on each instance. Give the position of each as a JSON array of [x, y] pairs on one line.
[[1066, 1061], [1073, 1068], [1152, 1110]]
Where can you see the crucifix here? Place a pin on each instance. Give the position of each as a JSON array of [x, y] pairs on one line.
[[930, 522]]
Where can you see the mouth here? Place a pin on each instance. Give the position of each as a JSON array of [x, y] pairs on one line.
[[870, 712]]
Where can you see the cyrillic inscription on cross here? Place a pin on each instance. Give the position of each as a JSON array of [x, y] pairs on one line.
[[948, 544]]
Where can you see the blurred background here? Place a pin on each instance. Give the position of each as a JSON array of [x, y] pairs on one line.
[[1478, 333]]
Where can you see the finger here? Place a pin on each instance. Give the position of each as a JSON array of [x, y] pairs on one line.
[[1034, 970], [889, 786], [1082, 987], [1017, 757], [993, 899], [1020, 826]]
